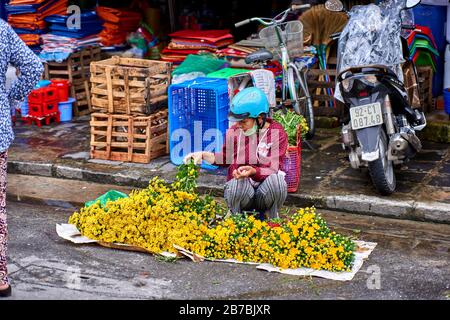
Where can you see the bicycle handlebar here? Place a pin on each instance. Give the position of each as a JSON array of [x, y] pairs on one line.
[[300, 6], [241, 23], [274, 20]]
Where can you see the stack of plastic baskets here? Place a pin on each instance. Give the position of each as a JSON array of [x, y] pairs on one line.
[[198, 111]]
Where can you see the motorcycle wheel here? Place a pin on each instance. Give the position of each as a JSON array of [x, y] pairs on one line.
[[382, 170]]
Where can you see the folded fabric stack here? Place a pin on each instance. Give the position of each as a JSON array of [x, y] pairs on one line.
[[58, 48], [90, 24], [422, 47], [118, 23], [235, 53], [27, 18], [187, 42]]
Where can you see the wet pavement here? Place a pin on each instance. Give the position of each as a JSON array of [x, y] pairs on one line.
[[62, 151], [410, 261]]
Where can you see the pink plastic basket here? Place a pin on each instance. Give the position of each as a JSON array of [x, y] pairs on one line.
[[292, 165]]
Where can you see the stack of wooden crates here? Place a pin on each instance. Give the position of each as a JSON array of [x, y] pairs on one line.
[[425, 75], [130, 119], [76, 69]]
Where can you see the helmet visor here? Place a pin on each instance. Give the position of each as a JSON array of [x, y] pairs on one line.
[[233, 117]]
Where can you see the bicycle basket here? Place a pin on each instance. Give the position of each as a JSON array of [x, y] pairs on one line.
[[291, 34]]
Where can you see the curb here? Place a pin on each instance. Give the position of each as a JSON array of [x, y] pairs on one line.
[[435, 212]]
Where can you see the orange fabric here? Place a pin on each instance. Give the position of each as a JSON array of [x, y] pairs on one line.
[[118, 22], [35, 21], [117, 15], [30, 39], [22, 2], [31, 26]]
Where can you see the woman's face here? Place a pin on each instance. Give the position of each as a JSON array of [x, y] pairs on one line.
[[246, 124]]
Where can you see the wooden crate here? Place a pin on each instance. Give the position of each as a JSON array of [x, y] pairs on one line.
[[425, 75], [320, 89], [129, 138], [76, 69], [129, 86]]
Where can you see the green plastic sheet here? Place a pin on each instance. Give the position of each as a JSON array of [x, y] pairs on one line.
[[111, 195]]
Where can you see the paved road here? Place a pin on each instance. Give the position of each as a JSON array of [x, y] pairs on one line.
[[412, 259]]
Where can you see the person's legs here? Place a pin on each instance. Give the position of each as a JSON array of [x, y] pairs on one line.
[[271, 195], [239, 194], [3, 227]]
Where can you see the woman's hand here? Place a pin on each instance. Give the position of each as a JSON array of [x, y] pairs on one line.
[[199, 156], [246, 171]]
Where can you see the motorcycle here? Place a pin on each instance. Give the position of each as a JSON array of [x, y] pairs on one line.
[[378, 82]]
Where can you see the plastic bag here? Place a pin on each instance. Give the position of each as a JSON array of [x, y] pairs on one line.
[[111, 195], [372, 37], [205, 63]]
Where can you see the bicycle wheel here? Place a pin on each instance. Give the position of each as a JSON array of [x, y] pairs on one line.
[[301, 101]]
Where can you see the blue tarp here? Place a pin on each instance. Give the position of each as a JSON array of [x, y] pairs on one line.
[[89, 24]]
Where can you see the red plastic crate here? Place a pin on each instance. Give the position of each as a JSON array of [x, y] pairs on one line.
[[42, 95], [62, 87], [42, 109]]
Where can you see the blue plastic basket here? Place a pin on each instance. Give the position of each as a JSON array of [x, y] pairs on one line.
[[198, 111]]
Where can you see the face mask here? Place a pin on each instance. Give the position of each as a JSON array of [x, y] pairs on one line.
[[251, 131]]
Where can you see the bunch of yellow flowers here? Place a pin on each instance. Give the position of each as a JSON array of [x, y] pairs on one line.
[[304, 240], [154, 218], [163, 215]]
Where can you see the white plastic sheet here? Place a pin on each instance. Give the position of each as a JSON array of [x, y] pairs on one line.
[[364, 249]]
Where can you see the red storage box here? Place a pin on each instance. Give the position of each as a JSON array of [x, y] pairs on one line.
[[62, 87], [42, 95]]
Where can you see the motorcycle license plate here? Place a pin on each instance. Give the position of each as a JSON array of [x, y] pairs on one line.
[[365, 116]]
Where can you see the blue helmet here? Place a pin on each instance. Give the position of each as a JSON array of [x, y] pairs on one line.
[[248, 103]]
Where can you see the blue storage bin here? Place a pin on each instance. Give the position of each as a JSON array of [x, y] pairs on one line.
[[434, 17], [197, 107], [65, 108], [447, 100]]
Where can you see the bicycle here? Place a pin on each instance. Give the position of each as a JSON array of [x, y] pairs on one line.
[[281, 38]]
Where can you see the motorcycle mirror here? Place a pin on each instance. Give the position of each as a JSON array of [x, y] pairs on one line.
[[335, 5], [411, 3]]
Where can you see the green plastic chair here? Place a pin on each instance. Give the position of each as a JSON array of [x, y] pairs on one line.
[[423, 58], [424, 44]]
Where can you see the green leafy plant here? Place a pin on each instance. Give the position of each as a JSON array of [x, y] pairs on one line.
[[291, 122]]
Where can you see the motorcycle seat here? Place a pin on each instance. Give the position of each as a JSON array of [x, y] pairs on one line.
[[259, 56], [368, 69]]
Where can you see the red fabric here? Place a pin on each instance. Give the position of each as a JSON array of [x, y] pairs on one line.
[[215, 37], [264, 165], [118, 15]]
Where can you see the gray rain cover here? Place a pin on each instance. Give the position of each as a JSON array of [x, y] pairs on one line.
[[372, 36]]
